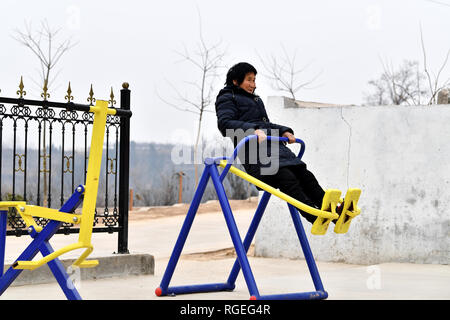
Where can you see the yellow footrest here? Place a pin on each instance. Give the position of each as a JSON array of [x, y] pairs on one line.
[[88, 264], [349, 211], [329, 203], [25, 265], [31, 265]]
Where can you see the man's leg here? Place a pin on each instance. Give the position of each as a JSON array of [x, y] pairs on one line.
[[309, 184], [287, 182], [311, 187]]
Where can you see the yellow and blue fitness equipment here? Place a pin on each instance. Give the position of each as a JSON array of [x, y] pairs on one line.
[[325, 215], [84, 193]]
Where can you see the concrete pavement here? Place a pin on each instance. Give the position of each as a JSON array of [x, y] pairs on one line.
[[209, 234]]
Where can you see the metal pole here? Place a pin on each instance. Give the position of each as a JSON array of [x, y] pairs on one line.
[[180, 186], [131, 199], [250, 234], [234, 232], [3, 225], [306, 249], [124, 170], [164, 288]]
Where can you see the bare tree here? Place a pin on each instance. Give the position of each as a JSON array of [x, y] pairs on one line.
[[163, 194], [398, 86], [167, 194], [42, 44], [284, 73], [408, 84], [207, 60], [434, 83]]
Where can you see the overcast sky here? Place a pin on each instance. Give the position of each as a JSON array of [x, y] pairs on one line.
[[137, 42]]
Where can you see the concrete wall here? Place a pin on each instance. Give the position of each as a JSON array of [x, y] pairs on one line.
[[399, 156]]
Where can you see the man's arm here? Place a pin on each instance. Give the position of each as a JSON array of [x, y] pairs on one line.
[[281, 129], [227, 116]]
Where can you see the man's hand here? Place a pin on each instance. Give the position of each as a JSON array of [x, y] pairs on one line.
[[261, 135], [290, 136]]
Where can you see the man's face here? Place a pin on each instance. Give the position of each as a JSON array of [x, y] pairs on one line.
[[249, 84]]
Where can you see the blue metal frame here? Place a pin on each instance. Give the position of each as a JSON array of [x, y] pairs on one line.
[[241, 248], [41, 243], [3, 224]]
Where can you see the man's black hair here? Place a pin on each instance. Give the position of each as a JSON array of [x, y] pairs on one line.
[[238, 72]]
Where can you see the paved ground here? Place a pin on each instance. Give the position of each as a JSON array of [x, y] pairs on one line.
[[209, 237]]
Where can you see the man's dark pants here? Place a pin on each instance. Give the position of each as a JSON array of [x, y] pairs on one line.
[[301, 184]]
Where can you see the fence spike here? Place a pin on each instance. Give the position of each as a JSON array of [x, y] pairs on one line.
[[44, 94], [21, 92], [112, 102], [69, 96], [91, 98]]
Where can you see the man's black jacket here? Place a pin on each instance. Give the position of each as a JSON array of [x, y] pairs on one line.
[[237, 109]]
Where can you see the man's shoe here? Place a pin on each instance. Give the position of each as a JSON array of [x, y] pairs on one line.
[[339, 208]]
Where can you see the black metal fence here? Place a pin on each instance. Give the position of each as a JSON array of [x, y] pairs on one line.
[[44, 150]]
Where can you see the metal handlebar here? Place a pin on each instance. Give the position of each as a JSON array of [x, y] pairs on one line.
[[248, 138]]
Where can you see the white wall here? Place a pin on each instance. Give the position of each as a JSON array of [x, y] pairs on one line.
[[399, 156]]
